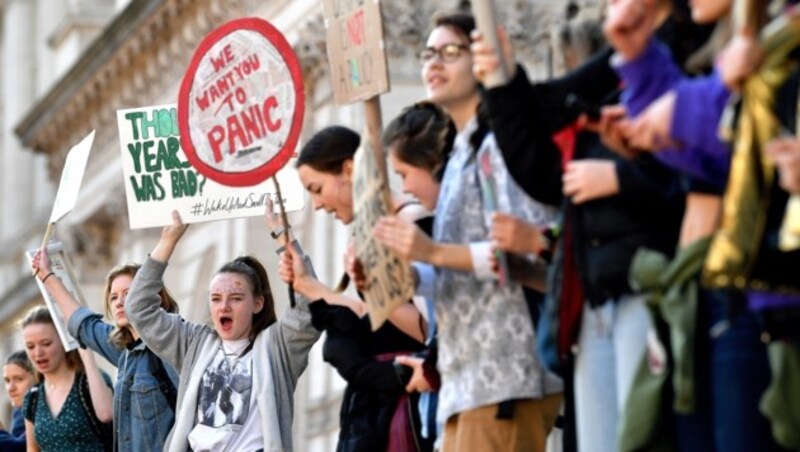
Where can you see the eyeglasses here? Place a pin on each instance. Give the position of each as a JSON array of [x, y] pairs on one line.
[[447, 53]]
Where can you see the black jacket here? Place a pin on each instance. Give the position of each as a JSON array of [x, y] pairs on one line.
[[607, 232], [373, 387]]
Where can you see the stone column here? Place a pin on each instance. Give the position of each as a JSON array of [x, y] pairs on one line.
[[17, 94], [48, 15]]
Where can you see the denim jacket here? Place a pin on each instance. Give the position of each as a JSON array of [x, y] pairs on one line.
[[142, 415]]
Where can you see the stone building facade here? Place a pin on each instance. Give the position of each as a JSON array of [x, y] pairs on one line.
[[69, 65]]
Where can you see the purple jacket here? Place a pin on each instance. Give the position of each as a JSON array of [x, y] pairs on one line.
[[698, 106]]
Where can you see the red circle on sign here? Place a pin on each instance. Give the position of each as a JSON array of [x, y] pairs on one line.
[[269, 168]]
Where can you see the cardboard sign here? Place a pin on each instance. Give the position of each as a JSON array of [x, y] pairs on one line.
[[489, 195], [160, 179], [355, 49], [71, 177], [60, 265], [388, 277], [241, 103]]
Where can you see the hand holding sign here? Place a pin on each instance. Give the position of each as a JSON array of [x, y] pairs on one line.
[[486, 21], [70, 185], [54, 260]]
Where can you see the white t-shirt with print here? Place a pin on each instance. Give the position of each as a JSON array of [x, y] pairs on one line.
[[226, 417]]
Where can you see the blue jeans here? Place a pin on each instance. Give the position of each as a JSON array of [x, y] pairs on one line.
[[732, 374], [610, 348]]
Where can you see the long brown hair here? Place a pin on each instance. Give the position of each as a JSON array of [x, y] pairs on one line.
[[20, 359], [122, 337], [41, 315], [422, 136], [328, 149]]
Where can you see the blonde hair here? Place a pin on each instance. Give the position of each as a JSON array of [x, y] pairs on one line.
[[122, 337]]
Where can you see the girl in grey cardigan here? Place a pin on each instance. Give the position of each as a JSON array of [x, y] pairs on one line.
[[237, 379]]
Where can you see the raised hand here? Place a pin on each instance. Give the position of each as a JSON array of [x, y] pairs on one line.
[[740, 58], [292, 269], [515, 235], [650, 131], [405, 239], [610, 128], [274, 223], [590, 179], [286, 266], [40, 264], [354, 268], [484, 57], [170, 236], [417, 383]]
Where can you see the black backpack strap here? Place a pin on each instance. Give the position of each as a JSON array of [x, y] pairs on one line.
[[103, 431], [165, 383], [30, 410]]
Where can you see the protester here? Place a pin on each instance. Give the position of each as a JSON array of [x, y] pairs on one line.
[[494, 393], [375, 413], [19, 376], [419, 142], [612, 207], [146, 387], [237, 378], [688, 115], [71, 408]]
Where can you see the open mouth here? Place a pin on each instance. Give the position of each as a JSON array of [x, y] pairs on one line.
[[435, 80], [41, 364], [225, 323]]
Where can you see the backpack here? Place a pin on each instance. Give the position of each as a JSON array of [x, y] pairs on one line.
[[102, 431], [165, 384]]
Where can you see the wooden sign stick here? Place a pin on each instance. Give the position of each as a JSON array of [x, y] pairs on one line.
[[47, 234], [374, 118], [285, 221]]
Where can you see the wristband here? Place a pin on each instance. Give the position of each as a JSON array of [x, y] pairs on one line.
[[47, 276], [279, 232]]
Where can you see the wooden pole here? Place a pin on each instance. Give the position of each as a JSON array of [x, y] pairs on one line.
[[749, 16], [285, 221], [374, 120]]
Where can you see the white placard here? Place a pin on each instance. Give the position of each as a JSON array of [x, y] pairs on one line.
[[159, 178], [71, 177]]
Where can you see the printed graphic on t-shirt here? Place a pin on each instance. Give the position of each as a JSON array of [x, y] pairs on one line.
[[225, 392]]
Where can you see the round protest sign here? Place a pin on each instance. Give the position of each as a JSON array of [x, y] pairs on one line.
[[241, 102]]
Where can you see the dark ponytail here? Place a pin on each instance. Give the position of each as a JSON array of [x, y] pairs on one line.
[[422, 136], [251, 268], [328, 149]]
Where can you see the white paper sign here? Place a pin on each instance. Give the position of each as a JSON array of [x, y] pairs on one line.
[[71, 177], [159, 178], [60, 265]]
